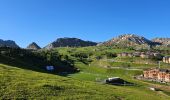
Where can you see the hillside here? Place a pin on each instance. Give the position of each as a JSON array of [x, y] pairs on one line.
[[33, 46], [23, 75], [128, 40], [36, 61], [164, 41], [17, 83], [70, 42], [8, 43]]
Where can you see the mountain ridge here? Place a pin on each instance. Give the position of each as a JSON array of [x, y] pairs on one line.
[[125, 40], [70, 42], [163, 41], [129, 40], [33, 46], [8, 43]]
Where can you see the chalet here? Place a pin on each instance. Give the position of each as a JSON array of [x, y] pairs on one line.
[[160, 75], [166, 59], [141, 54], [136, 54], [124, 54], [151, 73]]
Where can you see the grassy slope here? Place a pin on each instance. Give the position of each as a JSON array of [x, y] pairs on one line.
[[135, 62], [18, 83]]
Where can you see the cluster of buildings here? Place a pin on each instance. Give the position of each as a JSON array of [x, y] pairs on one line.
[[156, 74], [166, 59], [141, 54]]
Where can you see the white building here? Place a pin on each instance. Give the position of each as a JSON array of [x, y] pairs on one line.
[[50, 68]]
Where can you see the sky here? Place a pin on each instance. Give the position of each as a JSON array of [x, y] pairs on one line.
[[43, 21]]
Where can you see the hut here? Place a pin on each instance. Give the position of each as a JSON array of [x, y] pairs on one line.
[[160, 75], [124, 54], [130, 55], [136, 54], [143, 55]]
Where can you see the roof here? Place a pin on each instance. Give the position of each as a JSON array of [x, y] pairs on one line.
[[113, 78], [164, 70], [161, 70]]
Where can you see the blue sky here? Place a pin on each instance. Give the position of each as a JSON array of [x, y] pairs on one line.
[[43, 21]]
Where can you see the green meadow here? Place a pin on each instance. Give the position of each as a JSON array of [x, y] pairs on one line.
[[18, 81]]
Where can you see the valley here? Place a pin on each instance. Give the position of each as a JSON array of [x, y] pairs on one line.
[[80, 73]]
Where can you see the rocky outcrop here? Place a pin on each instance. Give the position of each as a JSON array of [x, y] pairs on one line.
[[8, 43], [33, 46], [163, 41], [70, 42]]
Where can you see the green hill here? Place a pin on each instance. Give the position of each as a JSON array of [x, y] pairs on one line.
[[23, 76], [18, 83]]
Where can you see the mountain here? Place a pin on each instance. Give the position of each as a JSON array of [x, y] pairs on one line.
[[163, 41], [128, 40], [33, 46], [70, 42], [8, 43]]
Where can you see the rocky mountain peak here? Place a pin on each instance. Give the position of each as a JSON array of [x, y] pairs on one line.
[[8, 43], [33, 46], [70, 42], [129, 40], [163, 41]]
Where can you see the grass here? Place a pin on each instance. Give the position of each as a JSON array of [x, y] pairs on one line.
[[18, 83]]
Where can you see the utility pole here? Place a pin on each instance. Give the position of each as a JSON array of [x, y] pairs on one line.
[[159, 62]]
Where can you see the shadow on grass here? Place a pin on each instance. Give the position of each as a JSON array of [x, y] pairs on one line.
[[34, 63]]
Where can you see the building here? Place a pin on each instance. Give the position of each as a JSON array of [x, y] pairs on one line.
[[130, 54], [119, 54], [124, 54], [167, 77], [143, 55], [151, 73], [166, 59], [49, 68], [148, 55], [160, 75], [157, 55], [136, 54]]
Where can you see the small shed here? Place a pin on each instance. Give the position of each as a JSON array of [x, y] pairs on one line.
[[118, 81], [115, 80], [124, 54], [49, 68], [137, 54]]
